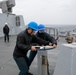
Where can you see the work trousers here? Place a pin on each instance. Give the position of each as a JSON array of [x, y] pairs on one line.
[[32, 56], [23, 65], [6, 37]]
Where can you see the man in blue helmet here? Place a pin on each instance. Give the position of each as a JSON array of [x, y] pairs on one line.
[[23, 45], [45, 36]]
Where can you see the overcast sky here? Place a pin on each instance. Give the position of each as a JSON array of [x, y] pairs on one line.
[[47, 11]]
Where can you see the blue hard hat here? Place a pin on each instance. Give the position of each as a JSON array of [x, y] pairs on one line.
[[41, 27], [33, 25]]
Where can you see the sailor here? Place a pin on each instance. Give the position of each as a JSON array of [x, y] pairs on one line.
[[45, 36], [6, 32], [23, 45]]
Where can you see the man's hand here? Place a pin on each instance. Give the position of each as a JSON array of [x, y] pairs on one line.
[[33, 48], [54, 45], [50, 44]]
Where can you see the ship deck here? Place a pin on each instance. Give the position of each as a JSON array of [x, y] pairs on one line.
[[8, 65]]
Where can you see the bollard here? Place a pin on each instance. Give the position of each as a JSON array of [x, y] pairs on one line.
[[43, 60]]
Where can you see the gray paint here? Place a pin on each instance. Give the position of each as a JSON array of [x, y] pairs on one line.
[[66, 63], [10, 19]]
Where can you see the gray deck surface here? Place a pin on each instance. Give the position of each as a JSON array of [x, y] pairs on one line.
[[8, 65]]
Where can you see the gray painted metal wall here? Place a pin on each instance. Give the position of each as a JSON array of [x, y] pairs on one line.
[[11, 20]]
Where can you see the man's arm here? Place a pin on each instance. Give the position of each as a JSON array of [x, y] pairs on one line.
[[51, 39], [21, 43], [40, 41]]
